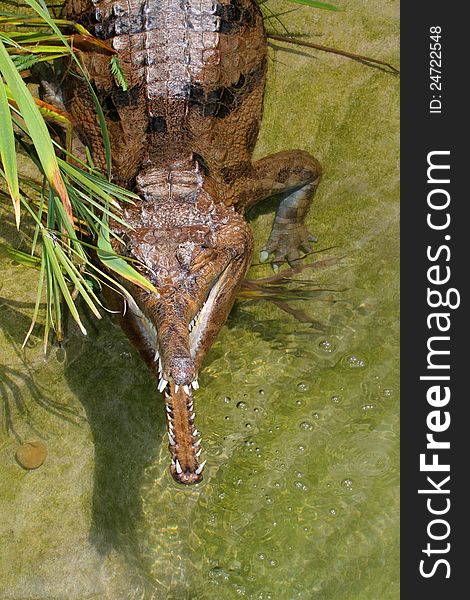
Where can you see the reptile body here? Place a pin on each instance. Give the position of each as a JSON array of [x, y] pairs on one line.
[[182, 137]]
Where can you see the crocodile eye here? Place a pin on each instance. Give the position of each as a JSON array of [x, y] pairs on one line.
[[184, 253]]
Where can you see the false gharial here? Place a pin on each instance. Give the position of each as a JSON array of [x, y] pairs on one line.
[[182, 137]]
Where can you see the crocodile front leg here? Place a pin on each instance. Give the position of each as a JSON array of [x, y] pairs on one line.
[[295, 174]]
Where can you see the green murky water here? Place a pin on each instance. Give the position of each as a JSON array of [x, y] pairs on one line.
[[300, 425]]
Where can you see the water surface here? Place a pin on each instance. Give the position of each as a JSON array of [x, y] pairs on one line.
[[299, 421]]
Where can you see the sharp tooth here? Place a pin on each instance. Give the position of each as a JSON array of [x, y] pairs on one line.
[[167, 408], [195, 385], [201, 466], [196, 443], [192, 416], [186, 389], [179, 470], [198, 453], [168, 397], [190, 406], [162, 385], [170, 427], [177, 387], [157, 355], [170, 437], [195, 432]]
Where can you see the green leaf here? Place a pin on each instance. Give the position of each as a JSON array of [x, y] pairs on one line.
[[59, 280], [44, 14], [8, 152], [316, 4], [23, 62], [77, 279], [118, 73], [20, 257], [35, 123], [117, 264]]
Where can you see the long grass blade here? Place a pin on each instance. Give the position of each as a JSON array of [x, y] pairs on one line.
[[24, 258], [44, 14], [60, 279], [38, 300], [8, 153], [317, 4], [36, 127], [117, 264]]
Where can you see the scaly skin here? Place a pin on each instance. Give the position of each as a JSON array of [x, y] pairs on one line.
[[182, 137]]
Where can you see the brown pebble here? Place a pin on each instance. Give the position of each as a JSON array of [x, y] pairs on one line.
[[31, 455]]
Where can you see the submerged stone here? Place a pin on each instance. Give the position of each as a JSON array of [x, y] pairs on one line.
[[31, 455]]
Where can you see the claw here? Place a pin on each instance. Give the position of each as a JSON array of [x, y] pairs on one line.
[[263, 256]]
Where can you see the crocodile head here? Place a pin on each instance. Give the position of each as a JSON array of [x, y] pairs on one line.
[[196, 253]]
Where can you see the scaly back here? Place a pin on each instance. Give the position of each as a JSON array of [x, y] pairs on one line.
[[196, 73]]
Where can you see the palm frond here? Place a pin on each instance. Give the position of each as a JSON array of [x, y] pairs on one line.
[[72, 204]]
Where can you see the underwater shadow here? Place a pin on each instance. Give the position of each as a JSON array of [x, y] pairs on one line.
[[18, 386], [126, 418]]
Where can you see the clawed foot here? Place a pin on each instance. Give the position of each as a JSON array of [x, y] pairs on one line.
[[288, 245]]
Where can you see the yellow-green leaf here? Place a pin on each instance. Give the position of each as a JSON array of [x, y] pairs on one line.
[[36, 127], [117, 264], [7, 152]]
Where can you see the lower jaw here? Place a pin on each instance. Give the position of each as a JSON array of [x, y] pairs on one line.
[[181, 394], [183, 436], [186, 478]]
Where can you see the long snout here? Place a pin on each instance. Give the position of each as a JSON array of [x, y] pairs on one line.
[[176, 363]]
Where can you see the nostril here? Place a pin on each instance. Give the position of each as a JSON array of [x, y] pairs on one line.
[[182, 370]]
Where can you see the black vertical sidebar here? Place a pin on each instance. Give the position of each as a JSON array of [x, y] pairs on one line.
[[435, 232]]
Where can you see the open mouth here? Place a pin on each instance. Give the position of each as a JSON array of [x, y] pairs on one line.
[[184, 439]]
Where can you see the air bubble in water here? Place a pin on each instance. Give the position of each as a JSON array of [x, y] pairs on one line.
[[306, 426], [332, 511], [347, 484], [302, 387], [227, 399], [241, 405], [327, 346], [355, 363], [336, 399], [368, 407]]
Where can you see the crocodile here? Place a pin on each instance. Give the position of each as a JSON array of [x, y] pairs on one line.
[[182, 137]]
